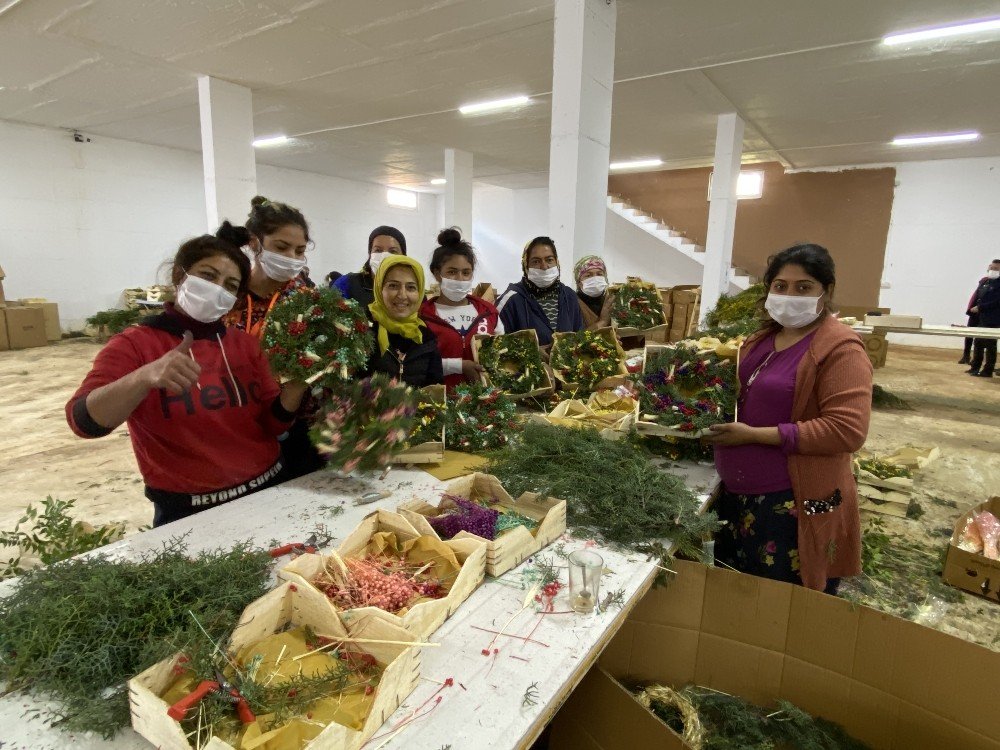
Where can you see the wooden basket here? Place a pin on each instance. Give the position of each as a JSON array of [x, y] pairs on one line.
[[286, 606], [421, 619], [511, 547], [657, 332], [431, 452], [654, 429], [609, 335], [526, 333]]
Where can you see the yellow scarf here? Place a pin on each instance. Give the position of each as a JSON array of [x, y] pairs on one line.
[[410, 326]]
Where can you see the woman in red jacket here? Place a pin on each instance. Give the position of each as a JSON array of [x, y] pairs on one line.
[[455, 316], [202, 407]]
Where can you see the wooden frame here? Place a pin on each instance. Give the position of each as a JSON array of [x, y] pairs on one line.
[[431, 452], [526, 333], [654, 429], [609, 335], [510, 548], [658, 332], [421, 619], [285, 606]]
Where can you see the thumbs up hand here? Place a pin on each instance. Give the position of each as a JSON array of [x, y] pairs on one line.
[[175, 371]]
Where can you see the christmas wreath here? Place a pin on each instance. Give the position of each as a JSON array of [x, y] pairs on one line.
[[637, 305], [688, 390], [318, 336], [480, 418], [512, 362], [363, 424], [428, 422], [584, 358]]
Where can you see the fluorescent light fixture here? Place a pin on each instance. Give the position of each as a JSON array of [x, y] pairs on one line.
[[514, 101], [941, 32], [439, 181], [923, 140], [637, 164], [749, 185], [271, 140], [401, 198]]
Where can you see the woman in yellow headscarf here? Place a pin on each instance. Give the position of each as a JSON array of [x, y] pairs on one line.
[[404, 347]]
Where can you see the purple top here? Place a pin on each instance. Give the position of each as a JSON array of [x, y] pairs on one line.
[[767, 390]]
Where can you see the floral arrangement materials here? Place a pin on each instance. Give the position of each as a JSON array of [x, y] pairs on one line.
[[430, 417], [685, 390], [291, 676], [77, 631], [583, 359], [480, 418], [395, 546], [710, 720], [637, 305], [737, 308], [519, 529], [362, 425], [883, 398], [883, 469], [110, 322], [513, 362], [612, 489], [317, 336]]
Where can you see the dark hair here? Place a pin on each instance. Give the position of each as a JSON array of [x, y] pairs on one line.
[[450, 244], [814, 259], [226, 242], [383, 231], [540, 241], [267, 217], [995, 260]]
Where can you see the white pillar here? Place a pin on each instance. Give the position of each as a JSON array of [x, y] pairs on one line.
[[583, 67], [722, 210], [227, 150], [458, 191]]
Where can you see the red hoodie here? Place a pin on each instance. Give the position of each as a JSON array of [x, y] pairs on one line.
[[202, 447], [454, 344]]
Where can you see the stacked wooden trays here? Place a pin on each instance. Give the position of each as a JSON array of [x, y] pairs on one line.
[[514, 545]]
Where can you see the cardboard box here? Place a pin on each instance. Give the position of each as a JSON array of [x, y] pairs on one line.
[[2, 277], [686, 294], [877, 346], [485, 291], [969, 571], [890, 683], [4, 339], [53, 330], [25, 327]]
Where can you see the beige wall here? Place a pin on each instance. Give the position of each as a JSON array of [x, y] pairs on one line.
[[847, 212]]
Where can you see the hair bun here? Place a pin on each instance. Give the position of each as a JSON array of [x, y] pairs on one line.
[[234, 235], [257, 201], [450, 237]]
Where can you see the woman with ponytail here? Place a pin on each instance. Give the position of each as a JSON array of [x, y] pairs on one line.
[[455, 316]]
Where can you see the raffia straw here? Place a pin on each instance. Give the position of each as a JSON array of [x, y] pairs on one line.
[[694, 733], [316, 376], [337, 641]]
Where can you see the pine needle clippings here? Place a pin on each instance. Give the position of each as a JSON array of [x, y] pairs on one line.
[[530, 697], [883, 398]]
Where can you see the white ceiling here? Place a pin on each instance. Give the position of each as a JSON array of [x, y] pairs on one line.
[[371, 89]]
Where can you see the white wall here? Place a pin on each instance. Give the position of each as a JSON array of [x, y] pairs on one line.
[[79, 222], [943, 232]]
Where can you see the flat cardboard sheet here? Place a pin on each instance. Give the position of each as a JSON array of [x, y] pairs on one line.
[[455, 464]]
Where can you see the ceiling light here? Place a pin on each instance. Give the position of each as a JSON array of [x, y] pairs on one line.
[[401, 198], [637, 164], [439, 181], [271, 140], [941, 32], [514, 101], [921, 140]]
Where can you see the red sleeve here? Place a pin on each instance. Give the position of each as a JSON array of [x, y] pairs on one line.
[[118, 358], [274, 418]]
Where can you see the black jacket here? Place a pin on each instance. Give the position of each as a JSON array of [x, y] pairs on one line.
[[988, 302], [415, 364]]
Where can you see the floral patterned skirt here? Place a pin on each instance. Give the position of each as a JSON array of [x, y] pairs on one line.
[[761, 536]]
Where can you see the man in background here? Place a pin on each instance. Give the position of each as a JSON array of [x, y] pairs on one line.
[[984, 312]]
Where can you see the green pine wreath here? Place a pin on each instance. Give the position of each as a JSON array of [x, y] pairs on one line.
[[688, 390], [428, 422], [512, 362], [318, 336], [584, 358], [637, 305], [479, 418]]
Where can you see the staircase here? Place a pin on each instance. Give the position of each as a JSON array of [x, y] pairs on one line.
[[672, 238]]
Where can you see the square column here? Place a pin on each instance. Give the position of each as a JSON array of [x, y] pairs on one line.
[[458, 191], [227, 150]]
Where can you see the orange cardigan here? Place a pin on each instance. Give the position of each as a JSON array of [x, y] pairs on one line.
[[832, 407]]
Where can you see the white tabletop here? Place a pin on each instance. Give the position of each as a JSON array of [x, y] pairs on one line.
[[484, 709], [935, 330]]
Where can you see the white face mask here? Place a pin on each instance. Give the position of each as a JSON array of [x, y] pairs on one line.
[[375, 260], [543, 279], [456, 290], [281, 267], [594, 286], [991, 274], [202, 300], [790, 311]]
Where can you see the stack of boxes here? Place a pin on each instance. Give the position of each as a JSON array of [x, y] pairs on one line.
[[685, 302], [27, 323]]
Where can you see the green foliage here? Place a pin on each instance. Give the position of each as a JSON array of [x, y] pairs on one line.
[[584, 359], [885, 399], [612, 489], [513, 362], [875, 548], [53, 535], [76, 632], [114, 321], [884, 470], [739, 308], [637, 305], [479, 418], [687, 390]]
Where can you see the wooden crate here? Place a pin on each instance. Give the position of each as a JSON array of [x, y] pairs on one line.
[[877, 348], [609, 335], [511, 547], [289, 606], [531, 333], [421, 619], [658, 332], [431, 452], [654, 429]]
